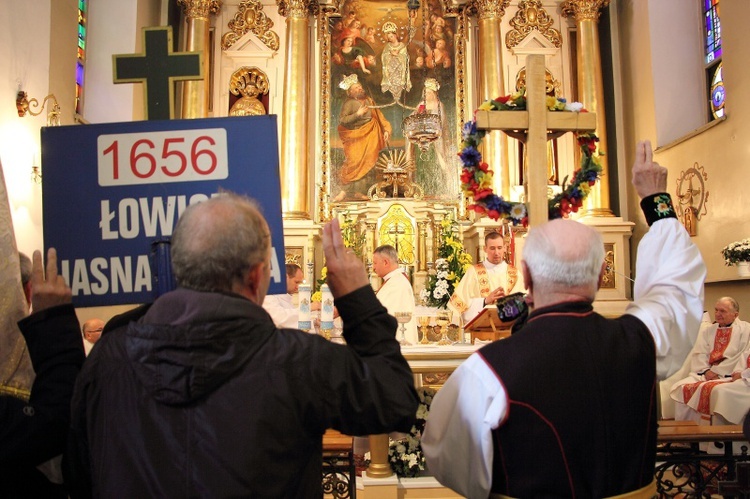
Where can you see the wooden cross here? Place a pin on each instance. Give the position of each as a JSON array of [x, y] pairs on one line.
[[534, 123], [740, 487], [157, 67]]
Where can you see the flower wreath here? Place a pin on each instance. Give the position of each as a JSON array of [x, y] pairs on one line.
[[476, 177]]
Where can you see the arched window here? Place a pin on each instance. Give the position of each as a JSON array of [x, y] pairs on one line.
[[714, 78]]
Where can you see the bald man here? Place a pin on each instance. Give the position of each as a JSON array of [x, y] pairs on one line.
[[566, 406], [92, 331]]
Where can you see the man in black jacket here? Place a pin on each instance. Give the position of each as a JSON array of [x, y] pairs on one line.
[[203, 396], [34, 431]]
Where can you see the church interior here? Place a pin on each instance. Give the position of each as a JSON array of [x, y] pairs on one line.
[[644, 67]]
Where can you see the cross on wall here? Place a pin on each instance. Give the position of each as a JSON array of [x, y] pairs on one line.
[[157, 67]]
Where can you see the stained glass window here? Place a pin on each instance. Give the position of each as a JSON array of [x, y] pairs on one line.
[[714, 78], [717, 93], [713, 30], [81, 60]]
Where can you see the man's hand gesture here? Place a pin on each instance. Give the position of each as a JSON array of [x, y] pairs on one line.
[[346, 272], [648, 177], [50, 291]]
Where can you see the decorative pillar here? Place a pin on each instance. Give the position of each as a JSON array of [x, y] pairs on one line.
[[591, 90], [379, 465], [294, 123], [371, 238], [422, 246], [195, 92], [491, 85]]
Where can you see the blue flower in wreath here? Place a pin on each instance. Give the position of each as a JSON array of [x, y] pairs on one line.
[[470, 156], [469, 129]]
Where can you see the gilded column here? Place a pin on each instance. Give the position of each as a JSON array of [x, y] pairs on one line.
[[422, 246], [195, 92], [491, 85], [294, 144], [591, 89]]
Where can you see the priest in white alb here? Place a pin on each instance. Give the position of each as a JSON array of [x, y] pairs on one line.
[[486, 282], [396, 293], [717, 354]]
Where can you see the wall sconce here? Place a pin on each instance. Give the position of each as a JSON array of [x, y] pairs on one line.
[[24, 105]]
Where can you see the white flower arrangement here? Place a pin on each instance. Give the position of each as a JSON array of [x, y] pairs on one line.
[[405, 455], [449, 267], [736, 252]]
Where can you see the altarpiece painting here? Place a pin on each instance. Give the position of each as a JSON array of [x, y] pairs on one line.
[[383, 63]]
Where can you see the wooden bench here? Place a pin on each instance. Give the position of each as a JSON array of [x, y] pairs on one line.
[[681, 467], [339, 475]]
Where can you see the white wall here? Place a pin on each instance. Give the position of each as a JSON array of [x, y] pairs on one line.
[[24, 64], [678, 70], [105, 101]]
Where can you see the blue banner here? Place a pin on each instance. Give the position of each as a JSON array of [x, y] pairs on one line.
[[111, 190]]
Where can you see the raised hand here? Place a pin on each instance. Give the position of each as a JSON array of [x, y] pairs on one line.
[[49, 291], [346, 272], [648, 177]]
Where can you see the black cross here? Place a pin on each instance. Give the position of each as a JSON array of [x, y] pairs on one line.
[[740, 487], [157, 67]]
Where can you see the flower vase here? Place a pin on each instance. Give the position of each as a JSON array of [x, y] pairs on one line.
[[743, 269]]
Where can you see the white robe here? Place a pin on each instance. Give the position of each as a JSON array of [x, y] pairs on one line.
[[467, 298], [397, 295], [282, 311], [668, 299], [729, 399]]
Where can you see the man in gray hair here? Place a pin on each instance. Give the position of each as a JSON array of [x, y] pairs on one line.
[[566, 407], [203, 395]]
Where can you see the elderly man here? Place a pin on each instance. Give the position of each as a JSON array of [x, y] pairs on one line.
[[716, 355], [486, 282], [566, 407], [34, 431], [203, 396], [283, 312], [396, 293], [92, 331]]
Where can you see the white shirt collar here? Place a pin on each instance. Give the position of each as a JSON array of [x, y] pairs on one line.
[[491, 266], [391, 274]]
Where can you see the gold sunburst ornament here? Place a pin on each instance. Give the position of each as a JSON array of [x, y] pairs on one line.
[[396, 170]]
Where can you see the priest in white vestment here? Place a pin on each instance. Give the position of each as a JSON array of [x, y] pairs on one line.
[[283, 312], [396, 293], [720, 351], [486, 282]]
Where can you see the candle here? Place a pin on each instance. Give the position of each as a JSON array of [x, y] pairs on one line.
[[304, 308], [326, 310]]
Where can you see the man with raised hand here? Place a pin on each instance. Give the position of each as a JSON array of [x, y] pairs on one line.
[[566, 407], [204, 396]]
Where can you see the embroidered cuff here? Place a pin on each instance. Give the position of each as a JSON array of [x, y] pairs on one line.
[[657, 207]]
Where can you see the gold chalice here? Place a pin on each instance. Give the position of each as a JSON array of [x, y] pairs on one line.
[[403, 318], [443, 319], [424, 321]]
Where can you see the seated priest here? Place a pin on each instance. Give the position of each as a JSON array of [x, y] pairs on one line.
[[720, 353], [486, 282], [283, 311], [396, 293]]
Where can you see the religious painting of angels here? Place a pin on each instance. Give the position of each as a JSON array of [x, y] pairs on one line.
[[386, 63]]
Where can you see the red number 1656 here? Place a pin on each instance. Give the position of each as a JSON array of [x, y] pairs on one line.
[[143, 163]]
